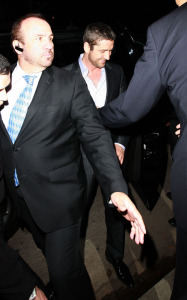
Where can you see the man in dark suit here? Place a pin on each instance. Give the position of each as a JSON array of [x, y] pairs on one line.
[[105, 81], [163, 67], [17, 280], [42, 162]]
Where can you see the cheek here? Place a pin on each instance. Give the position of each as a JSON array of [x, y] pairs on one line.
[[3, 95], [30, 53], [94, 57]]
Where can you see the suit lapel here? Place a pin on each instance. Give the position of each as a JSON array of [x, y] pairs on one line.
[[109, 83], [75, 66], [39, 97]]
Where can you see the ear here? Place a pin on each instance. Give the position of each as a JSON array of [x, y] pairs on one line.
[[86, 47], [15, 44]]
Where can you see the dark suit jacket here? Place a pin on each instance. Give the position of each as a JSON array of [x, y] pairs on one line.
[[47, 154], [116, 84], [162, 67]]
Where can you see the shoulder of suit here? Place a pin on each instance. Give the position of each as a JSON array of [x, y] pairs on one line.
[[68, 67], [111, 65], [171, 17], [63, 72], [72, 67]]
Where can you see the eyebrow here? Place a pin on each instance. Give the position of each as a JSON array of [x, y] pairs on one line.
[[42, 34]]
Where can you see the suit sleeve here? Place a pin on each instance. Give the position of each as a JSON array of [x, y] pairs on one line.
[[96, 141], [144, 91], [120, 135], [122, 139]]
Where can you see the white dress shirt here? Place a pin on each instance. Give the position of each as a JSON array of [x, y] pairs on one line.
[[17, 86], [98, 92]]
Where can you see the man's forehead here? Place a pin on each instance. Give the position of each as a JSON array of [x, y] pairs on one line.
[[104, 43], [36, 25]]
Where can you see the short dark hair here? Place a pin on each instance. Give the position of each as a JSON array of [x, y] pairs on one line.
[[4, 65], [15, 32], [98, 31]]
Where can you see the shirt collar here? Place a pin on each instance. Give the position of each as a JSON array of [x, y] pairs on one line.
[[83, 68], [18, 73]]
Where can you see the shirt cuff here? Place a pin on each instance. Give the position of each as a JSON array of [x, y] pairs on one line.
[[120, 145], [33, 295]]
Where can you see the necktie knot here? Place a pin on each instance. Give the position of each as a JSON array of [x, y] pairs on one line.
[[29, 79]]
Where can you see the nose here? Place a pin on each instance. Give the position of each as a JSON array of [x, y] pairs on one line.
[[49, 44], [107, 55]]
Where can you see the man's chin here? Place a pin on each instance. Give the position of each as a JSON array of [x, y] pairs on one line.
[[49, 62], [102, 65]]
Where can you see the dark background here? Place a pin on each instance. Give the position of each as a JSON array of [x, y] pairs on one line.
[[136, 15]]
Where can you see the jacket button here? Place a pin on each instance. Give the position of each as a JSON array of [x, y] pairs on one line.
[[16, 149]]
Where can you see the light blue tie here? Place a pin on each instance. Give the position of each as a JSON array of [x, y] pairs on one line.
[[19, 111]]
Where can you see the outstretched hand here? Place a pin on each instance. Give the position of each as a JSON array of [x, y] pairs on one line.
[[129, 211]]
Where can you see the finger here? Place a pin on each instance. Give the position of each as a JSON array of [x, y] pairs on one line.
[[139, 222], [141, 237], [120, 158], [177, 132], [122, 209], [137, 233], [142, 227], [132, 233]]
